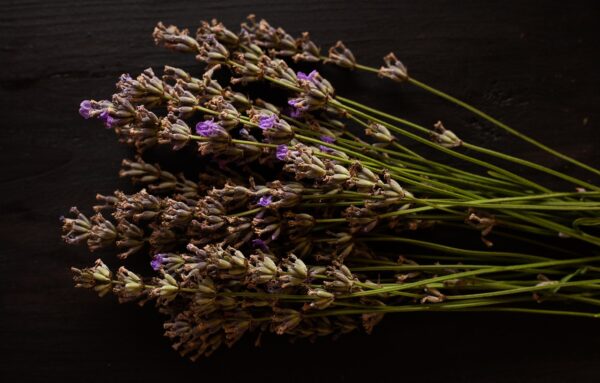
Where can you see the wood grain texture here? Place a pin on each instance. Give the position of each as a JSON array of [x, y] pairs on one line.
[[533, 64]]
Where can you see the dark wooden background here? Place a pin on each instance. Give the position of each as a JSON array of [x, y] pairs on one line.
[[534, 64]]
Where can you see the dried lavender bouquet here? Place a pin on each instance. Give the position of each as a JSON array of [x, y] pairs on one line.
[[311, 217]]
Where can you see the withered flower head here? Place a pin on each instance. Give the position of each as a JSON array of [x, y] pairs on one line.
[[342, 56], [172, 38], [393, 68]]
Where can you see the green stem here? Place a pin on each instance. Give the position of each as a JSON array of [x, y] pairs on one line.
[[449, 249], [502, 125], [495, 269], [519, 179], [519, 290], [475, 147]]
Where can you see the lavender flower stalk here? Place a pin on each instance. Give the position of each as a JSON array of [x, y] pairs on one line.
[[282, 230]]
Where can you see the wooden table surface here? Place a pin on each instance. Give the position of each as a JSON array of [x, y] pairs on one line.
[[533, 64]]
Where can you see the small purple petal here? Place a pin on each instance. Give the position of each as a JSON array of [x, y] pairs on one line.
[[85, 108], [325, 149], [243, 132], [328, 139], [307, 77], [267, 122], [103, 116], [265, 200], [207, 128], [110, 122], [282, 152], [157, 261], [261, 244], [299, 104]]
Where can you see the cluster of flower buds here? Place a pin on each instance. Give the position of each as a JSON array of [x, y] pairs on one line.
[[272, 235]]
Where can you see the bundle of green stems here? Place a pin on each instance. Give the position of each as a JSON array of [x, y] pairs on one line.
[[319, 216]]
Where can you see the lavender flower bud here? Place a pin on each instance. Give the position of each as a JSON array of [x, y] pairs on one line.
[[167, 287], [304, 164], [229, 117], [94, 109], [85, 108], [176, 214], [295, 272], [131, 287], [76, 230], [183, 103], [212, 52], [309, 52], [209, 128], [361, 219], [393, 69], [444, 137], [146, 89], [363, 178], [285, 320], [300, 224], [131, 238], [231, 196], [218, 139], [221, 33], [174, 132], [98, 277], [262, 270], [380, 133], [110, 202], [247, 68], [274, 129], [264, 35], [316, 92], [138, 207], [323, 299], [343, 279], [157, 261], [103, 233], [266, 225], [145, 173], [336, 174], [279, 70], [237, 98], [344, 244], [341, 56], [286, 195], [172, 38], [282, 152]]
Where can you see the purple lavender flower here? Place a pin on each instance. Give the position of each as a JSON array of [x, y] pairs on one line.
[[157, 261], [260, 244], [328, 139], [307, 77], [325, 149], [208, 128], [282, 152], [110, 122], [85, 108], [265, 200], [104, 116], [267, 122], [298, 103]]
